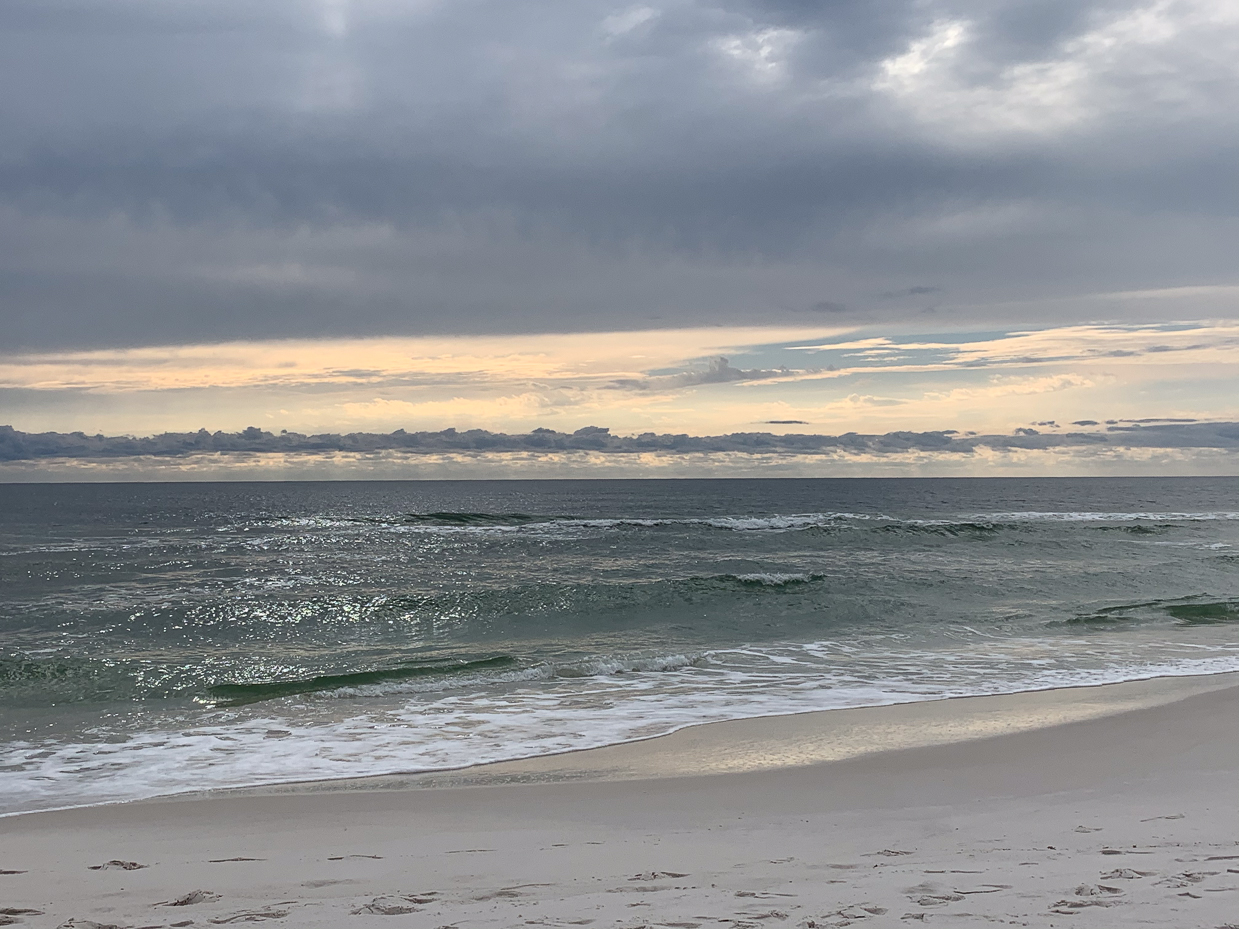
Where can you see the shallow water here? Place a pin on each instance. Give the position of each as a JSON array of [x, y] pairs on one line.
[[162, 638]]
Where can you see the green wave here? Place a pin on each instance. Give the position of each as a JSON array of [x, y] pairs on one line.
[[470, 519], [255, 692], [1186, 611], [1197, 614], [955, 529]]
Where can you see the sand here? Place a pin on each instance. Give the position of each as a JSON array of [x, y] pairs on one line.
[[1110, 806]]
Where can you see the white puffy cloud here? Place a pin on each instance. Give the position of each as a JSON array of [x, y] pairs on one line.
[[1150, 63]]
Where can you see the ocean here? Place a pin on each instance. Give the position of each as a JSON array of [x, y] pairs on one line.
[[163, 638]]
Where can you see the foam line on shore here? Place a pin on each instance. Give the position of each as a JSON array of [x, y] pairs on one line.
[[766, 743]]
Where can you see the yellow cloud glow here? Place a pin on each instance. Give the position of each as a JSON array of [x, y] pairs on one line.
[[779, 379], [559, 357]]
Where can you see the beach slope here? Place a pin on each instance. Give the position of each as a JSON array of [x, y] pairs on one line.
[[1092, 807]]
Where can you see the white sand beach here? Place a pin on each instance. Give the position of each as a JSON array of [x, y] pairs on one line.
[[1107, 806]]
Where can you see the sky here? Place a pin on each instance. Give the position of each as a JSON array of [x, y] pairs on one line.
[[700, 217]]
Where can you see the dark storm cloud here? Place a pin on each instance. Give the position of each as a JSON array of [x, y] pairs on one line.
[[218, 170]]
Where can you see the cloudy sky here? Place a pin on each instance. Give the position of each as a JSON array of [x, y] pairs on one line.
[[680, 216]]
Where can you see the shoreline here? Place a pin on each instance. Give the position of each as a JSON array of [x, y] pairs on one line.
[[755, 743], [1093, 806], [784, 740]]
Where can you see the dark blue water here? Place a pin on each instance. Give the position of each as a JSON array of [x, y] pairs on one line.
[[158, 638]]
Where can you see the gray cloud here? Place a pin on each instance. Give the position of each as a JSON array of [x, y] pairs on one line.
[[214, 169], [717, 371], [22, 446]]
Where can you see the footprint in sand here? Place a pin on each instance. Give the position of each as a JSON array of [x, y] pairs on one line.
[[252, 916], [1125, 874], [1186, 879], [507, 892], [390, 906], [117, 865], [194, 896], [1071, 907], [1096, 890], [938, 899], [856, 912], [985, 889], [1087, 895], [655, 875], [931, 894]]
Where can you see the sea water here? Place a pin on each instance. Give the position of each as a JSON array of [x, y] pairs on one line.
[[164, 638]]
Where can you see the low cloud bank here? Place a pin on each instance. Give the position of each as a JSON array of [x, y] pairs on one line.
[[23, 446]]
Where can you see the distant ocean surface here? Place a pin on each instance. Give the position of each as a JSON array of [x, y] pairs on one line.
[[163, 638]]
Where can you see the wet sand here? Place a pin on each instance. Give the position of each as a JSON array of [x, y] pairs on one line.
[[1108, 806]]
